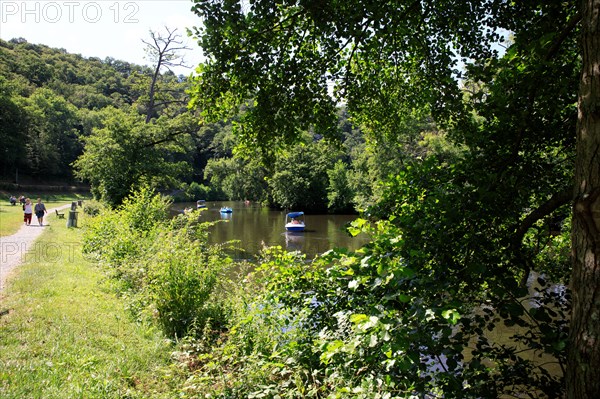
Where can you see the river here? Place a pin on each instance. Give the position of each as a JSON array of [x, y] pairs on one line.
[[256, 226]]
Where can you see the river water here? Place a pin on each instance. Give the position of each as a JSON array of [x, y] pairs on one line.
[[256, 226]]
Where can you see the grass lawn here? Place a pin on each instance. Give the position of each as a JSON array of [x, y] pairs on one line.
[[11, 217], [68, 336]]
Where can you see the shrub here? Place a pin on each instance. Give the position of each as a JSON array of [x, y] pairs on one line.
[[164, 266], [120, 237], [145, 209], [256, 358], [92, 207], [184, 275]]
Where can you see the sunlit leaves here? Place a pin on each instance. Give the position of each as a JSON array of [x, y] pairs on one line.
[[356, 227], [451, 315], [445, 265], [122, 155]]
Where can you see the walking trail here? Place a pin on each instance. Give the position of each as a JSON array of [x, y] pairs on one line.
[[13, 248]]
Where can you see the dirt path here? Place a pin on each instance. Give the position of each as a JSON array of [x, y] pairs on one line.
[[13, 248]]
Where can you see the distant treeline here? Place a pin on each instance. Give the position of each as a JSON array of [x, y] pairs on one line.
[[106, 123]]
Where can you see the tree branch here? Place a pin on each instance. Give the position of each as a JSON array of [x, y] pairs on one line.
[[571, 24], [167, 138], [165, 56], [557, 200]]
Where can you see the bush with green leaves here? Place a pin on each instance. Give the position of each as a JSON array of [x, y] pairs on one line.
[[118, 238], [164, 266], [257, 356], [185, 279], [396, 318], [92, 207]]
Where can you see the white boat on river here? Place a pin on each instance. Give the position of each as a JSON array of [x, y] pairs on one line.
[[294, 221]]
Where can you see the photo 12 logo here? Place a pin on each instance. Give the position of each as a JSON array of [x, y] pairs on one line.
[[69, 11], [38, 252]]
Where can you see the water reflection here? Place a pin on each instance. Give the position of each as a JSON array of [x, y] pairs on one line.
[[255, 226], [226, 216], [294, 241]]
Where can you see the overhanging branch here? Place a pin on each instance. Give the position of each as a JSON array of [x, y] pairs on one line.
[[557, 200]]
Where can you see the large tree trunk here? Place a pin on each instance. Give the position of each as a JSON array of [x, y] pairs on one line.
[[583, 367]]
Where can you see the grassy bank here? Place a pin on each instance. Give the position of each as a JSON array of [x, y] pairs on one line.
[[11, 217], [68, 336]]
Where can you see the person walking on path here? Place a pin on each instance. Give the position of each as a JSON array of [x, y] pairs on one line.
[[40, 210], [27, 211], [13, 249]]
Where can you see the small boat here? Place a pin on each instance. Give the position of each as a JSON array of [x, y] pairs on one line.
[[294, 221], [201, 204], [226, 209]]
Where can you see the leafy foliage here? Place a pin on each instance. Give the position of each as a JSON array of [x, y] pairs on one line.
[[459, 218], [57, 100], [122, 155], [237, 179], [373, 324], [299, 177], [339, 192], [164, 266], [52, 144], [48, 90], [12, 128], [184, 278]]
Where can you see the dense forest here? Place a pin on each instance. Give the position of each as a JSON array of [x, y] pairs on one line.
[[107, 123], [50, 99]]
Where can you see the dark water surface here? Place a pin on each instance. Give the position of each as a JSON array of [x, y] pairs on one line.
[[256, 226]]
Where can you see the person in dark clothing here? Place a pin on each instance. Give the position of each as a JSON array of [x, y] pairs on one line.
[[40, 210]]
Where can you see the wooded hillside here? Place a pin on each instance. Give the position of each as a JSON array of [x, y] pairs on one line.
[[50, 99]]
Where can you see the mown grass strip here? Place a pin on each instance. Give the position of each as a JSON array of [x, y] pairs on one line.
[[66, 334]]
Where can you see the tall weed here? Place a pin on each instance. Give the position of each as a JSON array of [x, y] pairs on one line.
[[144, 210], [184, 278], [257, 356], [164, 267]]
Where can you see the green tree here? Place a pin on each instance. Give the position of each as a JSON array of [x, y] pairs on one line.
[[58, 96], [12, 131], [52, 142], [126, 153], [465, 226], [339, 192], [237, 179], [299, 176]]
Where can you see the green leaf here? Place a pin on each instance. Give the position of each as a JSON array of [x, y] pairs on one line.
[[451, 315]]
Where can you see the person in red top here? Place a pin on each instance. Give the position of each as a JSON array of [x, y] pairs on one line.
[[27, 211]]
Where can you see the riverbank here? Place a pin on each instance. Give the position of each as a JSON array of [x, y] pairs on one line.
[[67, 335]]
